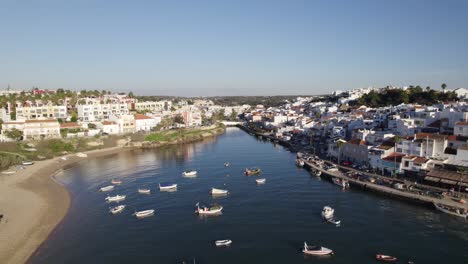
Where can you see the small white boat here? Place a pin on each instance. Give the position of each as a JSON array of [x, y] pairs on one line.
[[190, 173], [260, 181], [117, 209], [116, 182], [143, 214], [167, 186], [327, 212], [316, 250], [226, 164], [334, 221], [212, 210], [452, 210], [81, 155], [318, 173], [225, 242], [300, 163], [115, 199], [26, 163], [144, 191], [8, 172], [332, 168], [341, 182], [107, 188], [215, 191], [63, 158]]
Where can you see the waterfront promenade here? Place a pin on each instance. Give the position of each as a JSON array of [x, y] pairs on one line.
[[387, 190]]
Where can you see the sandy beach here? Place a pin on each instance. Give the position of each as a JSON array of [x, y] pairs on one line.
[[33, 204]]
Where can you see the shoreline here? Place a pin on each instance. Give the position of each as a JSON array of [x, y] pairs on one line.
[[34, 203]]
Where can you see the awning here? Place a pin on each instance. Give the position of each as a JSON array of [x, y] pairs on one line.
[[427, 178], [448, 181]]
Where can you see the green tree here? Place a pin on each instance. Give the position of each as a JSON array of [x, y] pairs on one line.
[[233, 116], [130, 94], [14, 134], [443, 86], [74, 117], [179, 119]]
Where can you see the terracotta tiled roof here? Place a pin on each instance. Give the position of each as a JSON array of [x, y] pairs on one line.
[[430, 135], [357, 141], [69, 125], [141, 117], [457, 138], [420, 160], [105, 123], [461, 123], [394, 157], [42, 121]]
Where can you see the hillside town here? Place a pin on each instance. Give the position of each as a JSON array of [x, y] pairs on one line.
[[64, 114], [419, 143], [427, 143]]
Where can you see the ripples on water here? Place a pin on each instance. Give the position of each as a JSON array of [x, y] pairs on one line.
[[267, 223]]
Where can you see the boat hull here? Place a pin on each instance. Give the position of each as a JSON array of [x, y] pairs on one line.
[[144, 214], [221, 243]]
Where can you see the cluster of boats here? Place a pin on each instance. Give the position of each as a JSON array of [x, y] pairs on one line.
[[213, 209], [119, 198]]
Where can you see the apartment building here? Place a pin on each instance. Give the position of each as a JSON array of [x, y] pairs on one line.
[[100, 112], [152, 107], [40, 112]]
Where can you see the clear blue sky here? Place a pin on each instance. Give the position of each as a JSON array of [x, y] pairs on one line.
[[234, 47]]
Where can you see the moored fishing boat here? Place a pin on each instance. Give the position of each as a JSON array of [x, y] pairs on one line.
[[211, 210], [327, 212], [332, 168], [334, 221], [341, 182], [252, 171], [144, 191], [107, 188], [117, 209], [81, 155], [452, 210], [8, 172], [115, 199], [225, 242], [167, 186], [26, 163], [260, 181], [215, 191], [116, 182], [226, 164], [143, 214], [385, 258], [316, 250], [190, 173], [300, 162]]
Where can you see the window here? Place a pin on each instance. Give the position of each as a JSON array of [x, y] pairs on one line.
[[406, 163]]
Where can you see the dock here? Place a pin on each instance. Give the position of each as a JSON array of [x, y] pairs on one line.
[[387, 190]]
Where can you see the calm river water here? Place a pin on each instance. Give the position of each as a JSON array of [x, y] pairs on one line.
[[267, 223]]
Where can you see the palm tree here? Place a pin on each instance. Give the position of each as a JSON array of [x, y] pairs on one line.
[[443, 86]]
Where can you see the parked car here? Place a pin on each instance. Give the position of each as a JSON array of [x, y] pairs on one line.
[[346, 163]]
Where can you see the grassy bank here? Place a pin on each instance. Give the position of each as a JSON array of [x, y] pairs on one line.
[[183, 135], [13, 153]]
